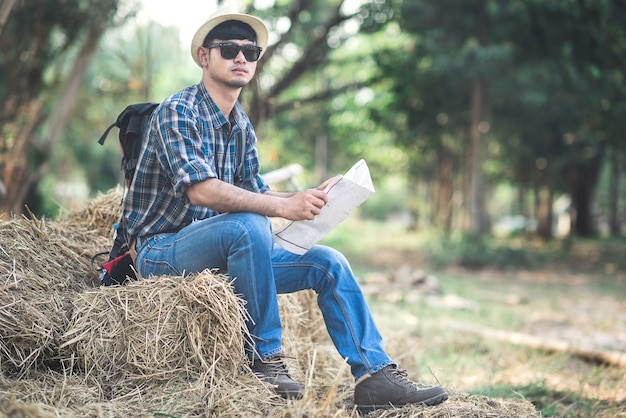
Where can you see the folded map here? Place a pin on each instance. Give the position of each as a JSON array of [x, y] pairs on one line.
[[345, 193]]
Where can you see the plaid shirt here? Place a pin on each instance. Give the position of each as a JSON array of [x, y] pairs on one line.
[[189, 140]]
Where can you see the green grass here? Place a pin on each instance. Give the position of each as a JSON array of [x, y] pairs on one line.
[[553, 403], [359, 238], [565, 289]]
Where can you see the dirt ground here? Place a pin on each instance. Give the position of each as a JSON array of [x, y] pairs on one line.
[[582, 306], [572, 318]]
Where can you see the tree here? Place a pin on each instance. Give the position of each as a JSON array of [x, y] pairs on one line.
[[308, 67], [137, 64], [564, 95], [46, 48], [442, 82], [531, 88], [296, 82]]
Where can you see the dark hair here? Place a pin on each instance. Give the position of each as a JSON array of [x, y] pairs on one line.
[[231, 29]]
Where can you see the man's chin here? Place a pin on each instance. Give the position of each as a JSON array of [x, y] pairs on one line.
[[238, 82]]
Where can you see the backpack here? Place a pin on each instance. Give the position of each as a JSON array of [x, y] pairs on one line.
[[132, 124]]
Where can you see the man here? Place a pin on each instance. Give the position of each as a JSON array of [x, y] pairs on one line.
[[193, 205]]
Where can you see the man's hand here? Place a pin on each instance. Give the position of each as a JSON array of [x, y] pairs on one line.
[[303, 205], [325, 184]]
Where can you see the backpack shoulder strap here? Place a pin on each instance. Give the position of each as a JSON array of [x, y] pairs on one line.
[[106, 133], [240, 152]]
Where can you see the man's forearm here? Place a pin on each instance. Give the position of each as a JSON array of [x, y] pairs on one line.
[[283, 195], [224, 197]]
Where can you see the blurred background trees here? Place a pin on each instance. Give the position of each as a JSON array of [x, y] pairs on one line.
[[45, 50], [468, 113]]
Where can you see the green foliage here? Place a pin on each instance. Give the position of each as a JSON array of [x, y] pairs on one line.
[[388, 200], [42, 48], [326, 107], [481, 252], [391, 83], [547, 99], [35, 41], [143, 65], [359, 235]]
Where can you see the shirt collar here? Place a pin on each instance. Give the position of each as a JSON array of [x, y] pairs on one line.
[[220, 121]]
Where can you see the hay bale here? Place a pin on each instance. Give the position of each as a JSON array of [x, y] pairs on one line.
[[38, 275], [14, 408], [168, 346], [302, 318], [89, 229], [31, 324], [45, 394], [241, 396], [39, 255], [306, 339], [98, 214], [158, 329], [43, 264], [73, 395], [464, 405]]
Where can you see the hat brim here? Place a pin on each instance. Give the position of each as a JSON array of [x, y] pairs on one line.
[[255, 23]]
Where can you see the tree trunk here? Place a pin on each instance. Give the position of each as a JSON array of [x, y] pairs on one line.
[[544, 193], [413, 203], [522, 207], [584, 187], [544, 211], [587, 353], [477, 224], [16, 174], [444, 190], [321, 157], [16, 160], [615, 225], [433, 200], [5, 11], [478, 109]]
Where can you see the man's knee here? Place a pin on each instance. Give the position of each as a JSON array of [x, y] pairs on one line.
[[328, 255], [254, 221], [256, 227]]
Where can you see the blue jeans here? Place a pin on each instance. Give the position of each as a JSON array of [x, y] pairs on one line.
[[241, 245]]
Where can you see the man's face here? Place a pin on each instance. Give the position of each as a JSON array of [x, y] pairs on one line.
[[231, 62]]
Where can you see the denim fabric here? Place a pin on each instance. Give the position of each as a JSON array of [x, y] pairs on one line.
[[241, 245]]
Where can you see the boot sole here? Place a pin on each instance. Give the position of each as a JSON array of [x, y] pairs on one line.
[[435, 400], [294, 394]]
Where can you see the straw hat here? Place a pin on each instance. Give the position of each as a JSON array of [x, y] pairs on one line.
[[222, 15]]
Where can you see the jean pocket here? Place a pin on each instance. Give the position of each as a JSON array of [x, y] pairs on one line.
[[156, 268], [156, 257]]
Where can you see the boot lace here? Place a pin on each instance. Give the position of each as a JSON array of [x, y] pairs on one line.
[[401, 377], [272, 366]]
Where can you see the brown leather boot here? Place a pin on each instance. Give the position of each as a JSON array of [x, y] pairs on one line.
[[272, 370], [389, 387]]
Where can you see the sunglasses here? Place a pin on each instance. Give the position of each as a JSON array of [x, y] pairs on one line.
[[229, 50]]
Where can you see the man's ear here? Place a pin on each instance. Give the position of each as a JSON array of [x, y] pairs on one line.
[[203, 56]]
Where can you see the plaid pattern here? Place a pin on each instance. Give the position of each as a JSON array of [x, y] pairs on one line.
[[189, 140]]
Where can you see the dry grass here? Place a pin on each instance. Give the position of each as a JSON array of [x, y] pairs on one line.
[[167, 346]]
